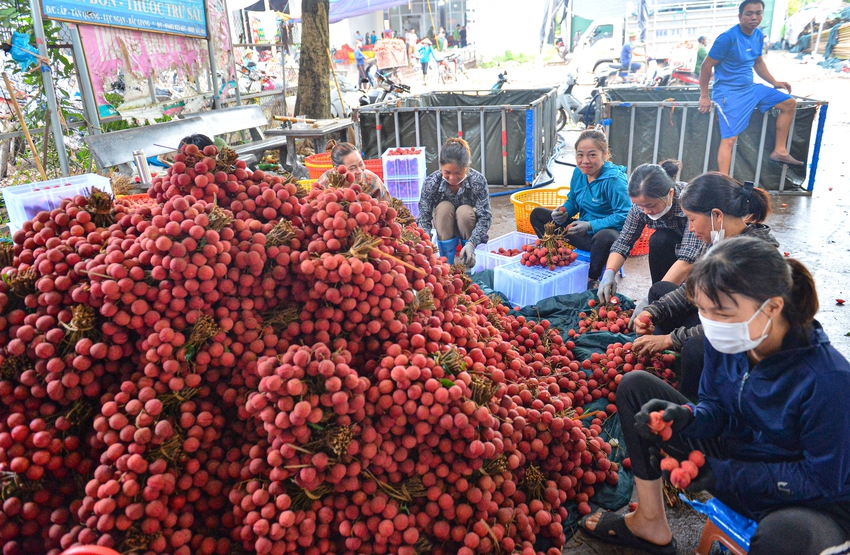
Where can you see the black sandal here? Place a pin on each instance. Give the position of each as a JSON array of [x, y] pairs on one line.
[[622, 536]]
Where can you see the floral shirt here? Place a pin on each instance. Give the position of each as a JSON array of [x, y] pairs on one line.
[[473, 191], [370, 182]]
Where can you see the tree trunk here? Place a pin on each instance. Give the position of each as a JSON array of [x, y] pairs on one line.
[[314, 93]]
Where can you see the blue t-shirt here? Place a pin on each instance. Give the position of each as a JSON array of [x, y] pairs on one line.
[[626, 54], [736, 53]]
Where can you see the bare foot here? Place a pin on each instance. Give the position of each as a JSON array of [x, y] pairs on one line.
[[785, 159], [655, 532]]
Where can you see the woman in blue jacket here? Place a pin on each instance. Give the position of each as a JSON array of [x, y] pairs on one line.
[[599, 194], [772, 417]]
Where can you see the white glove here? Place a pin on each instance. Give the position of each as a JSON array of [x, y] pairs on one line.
[[559, 216], [640, 306], [467, 255], [607, 286]]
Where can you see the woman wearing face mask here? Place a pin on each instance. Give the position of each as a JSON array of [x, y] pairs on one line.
[[599, 194], [346, 154], [673, 248], [456, 201], [772, 418], [718, 208]]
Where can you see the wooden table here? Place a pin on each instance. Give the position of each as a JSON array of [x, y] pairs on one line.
[[319, 135]]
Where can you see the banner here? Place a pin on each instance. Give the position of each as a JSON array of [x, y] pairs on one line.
[[178, 17]]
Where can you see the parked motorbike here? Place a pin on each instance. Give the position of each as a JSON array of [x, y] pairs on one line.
[[386, 89], [503, 78], [679, 75], [570, 107], [649, 75], [562, 49]]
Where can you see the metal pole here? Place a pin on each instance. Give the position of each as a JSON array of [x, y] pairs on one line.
[[788, 148], [211, 53], [439, 135], [49, 91], [761, 148], [732, 163], [817, 42], [657, 134], [232, 62], [483, 149], [708, 140], [682, 133], [152, 89], [397, 132], [86, 89], [378, 131], [504, 149], [416, 120], [631, 140], [568, 40], [459, 123]]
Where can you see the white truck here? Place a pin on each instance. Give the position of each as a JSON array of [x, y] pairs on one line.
[[667, 27]]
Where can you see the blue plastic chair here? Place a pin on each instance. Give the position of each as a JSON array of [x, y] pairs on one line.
[[724, 525]]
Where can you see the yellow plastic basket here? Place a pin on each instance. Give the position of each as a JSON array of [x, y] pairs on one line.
[[526, 201]]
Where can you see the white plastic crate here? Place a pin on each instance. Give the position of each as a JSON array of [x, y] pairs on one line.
[[485, 259], [524, 286], [413, 206], [24, 202], [404, 174]]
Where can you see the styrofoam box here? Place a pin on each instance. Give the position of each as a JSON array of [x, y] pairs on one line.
[[485, 259], [24, 202], [404, 174], [524, 286]]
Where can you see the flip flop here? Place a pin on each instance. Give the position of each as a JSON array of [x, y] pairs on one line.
[[791, 161], [622, 536]]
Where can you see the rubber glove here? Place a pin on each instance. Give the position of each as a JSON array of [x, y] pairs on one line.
[[640, 306], [679, 415], [467, 255], [607, 286], [559, 216], [579, 227]]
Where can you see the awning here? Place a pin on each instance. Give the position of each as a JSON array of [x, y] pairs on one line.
[[343, 9]]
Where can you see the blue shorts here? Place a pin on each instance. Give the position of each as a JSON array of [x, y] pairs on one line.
[[735, 106]]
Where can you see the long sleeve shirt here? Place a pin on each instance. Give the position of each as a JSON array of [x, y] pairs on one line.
[[473, 191]]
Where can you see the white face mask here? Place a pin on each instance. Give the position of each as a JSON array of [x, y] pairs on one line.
[[733, 338], [661, 214], [716, 236]]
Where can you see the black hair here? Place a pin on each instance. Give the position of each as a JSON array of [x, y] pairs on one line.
[[745, 3], [650, 181], [598, 138], [716, 190], [672, 167], [456, 151], [703, 39], [340, 151], [754, 269], [199, 140]]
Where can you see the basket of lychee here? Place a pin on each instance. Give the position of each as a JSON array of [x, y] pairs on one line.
[[551, 251]]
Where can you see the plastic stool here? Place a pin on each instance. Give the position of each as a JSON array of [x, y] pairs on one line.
[[724, 525]]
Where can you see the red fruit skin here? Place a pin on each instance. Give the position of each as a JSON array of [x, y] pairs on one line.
[[690, 468], [680, 478], [839, 301], [669, 464], [341, 169], [697, 458], [562, 209], [666, 434], [656, 421]]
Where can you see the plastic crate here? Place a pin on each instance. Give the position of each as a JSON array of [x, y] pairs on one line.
[[641, 247], [317, 164], [526, 201], [524, 285], [404, 174], [375, 166], [485, 259], [24, 202]]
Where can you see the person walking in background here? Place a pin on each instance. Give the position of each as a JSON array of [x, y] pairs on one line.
[[456, 35], [358, 37], [462, 34], [702, 52], [732, 58], [441, 40], [426, 54], [374, 38], [360, 60], [411, 46]]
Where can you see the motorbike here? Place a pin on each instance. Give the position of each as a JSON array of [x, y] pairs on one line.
[[450, 67], [570, 107], [680, 75], [503, 78], [648, 74], [386, 89], [562, 49]]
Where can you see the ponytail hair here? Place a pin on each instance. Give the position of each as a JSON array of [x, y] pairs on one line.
[[753, 268], [456, 151], [714, 190], [650, 181], [672, 167]]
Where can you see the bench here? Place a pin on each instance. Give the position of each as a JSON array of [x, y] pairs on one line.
[[116, 148], [242, 118]]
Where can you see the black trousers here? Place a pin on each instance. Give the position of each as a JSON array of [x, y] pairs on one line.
[[787, 531], [662, 252], [598, 244]]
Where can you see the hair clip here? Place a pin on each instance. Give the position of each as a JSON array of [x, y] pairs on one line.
[[748, 189]]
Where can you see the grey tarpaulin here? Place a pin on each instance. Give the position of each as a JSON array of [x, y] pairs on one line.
[[696, 129], [469, 105]]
